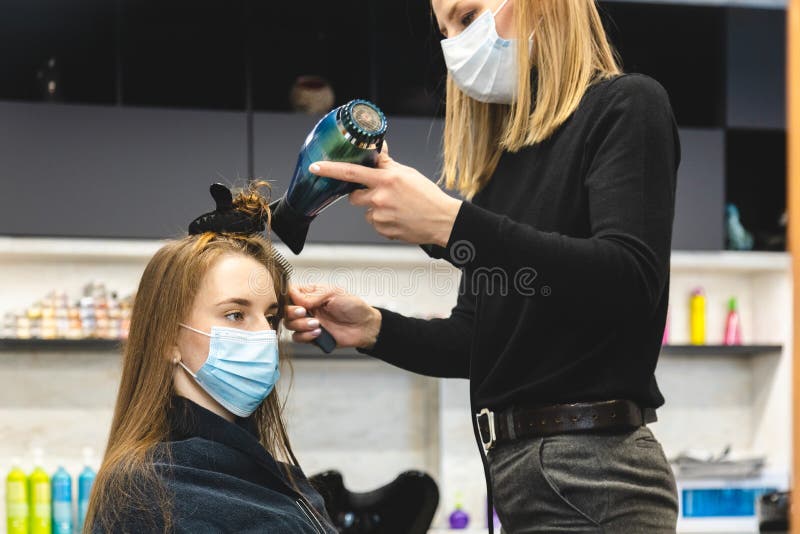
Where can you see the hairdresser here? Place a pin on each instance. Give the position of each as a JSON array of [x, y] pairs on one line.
[[569, 169]]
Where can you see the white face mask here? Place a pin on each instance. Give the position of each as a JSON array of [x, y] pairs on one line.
[[483, 64]]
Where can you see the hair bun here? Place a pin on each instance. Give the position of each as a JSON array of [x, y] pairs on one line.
[[228, 218]]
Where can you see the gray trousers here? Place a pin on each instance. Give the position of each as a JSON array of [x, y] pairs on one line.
[[610, 482]]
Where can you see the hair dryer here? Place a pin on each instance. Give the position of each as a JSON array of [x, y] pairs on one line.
[[351, 133]]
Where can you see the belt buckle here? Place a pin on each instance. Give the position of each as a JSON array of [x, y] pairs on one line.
[[487, 445]]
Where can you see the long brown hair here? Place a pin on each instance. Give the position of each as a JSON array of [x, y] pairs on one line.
[[570, 52], [127, 480]]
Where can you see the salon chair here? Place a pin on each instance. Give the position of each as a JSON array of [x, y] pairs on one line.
[[404, 506]]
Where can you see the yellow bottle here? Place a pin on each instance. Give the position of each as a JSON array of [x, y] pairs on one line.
[[697, 317], [40, 494], [17, 501]]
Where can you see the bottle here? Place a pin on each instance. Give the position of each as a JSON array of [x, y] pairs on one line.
[[62, 502], [459, 519], [697, 317], [17, 516], [733, 324], [738, 237], [85, 481], [39, 492]]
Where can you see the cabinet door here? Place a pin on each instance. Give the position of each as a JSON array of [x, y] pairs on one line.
[[92, 171], [699, 204], [756, 76]]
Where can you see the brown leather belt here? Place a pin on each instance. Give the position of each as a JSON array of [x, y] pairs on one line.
[[521, 422]]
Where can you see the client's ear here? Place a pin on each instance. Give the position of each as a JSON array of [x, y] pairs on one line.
[[175, 355]]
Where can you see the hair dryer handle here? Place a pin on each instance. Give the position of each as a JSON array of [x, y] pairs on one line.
[[325, 341]]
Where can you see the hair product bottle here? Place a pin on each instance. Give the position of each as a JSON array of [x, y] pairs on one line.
[[459, 519], [40, 493], [17, 516], [85, 481], [733, 324], [697, 317], [62, 502]]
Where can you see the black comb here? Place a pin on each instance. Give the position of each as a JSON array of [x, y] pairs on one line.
[[324, 340]]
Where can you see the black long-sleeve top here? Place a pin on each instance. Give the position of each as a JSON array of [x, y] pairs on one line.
[[565, 263]]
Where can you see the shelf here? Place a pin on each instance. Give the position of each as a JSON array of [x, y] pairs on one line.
[[730, 261], [89, 249], [297, 351], [718, 525], [315, 254], [57, 345], [720, 350]]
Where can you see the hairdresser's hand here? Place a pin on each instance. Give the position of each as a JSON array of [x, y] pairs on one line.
[[350, 320], [401, 203]]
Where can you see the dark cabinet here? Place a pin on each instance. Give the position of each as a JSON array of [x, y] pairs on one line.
[[683, 47], [186, 92], [756, 78], [79, 36], [182, 53], [724, 69]]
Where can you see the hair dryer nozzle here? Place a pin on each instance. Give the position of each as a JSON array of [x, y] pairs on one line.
[[290, 225]]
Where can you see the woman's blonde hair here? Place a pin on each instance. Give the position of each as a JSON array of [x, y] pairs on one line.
[[570, 52], [127, 481]]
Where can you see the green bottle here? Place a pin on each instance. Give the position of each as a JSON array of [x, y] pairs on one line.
[[40, 494], [17, 500]]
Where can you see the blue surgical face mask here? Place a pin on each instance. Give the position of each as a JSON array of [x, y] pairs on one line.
[[241, 369], [483, 64]]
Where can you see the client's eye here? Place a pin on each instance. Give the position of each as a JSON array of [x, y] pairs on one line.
[[234, 316], [273, 321], [467, 19]]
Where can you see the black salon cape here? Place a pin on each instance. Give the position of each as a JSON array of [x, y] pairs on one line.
[[221, 479]]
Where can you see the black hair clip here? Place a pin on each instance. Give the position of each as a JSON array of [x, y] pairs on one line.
[[226, 218]]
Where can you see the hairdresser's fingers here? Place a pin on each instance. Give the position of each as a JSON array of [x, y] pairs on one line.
[[383, 156], [311, 296], [302, 325], [348, 172], [306, 337], [307, 299], [291, 311], [295, 311], [361, 197]]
